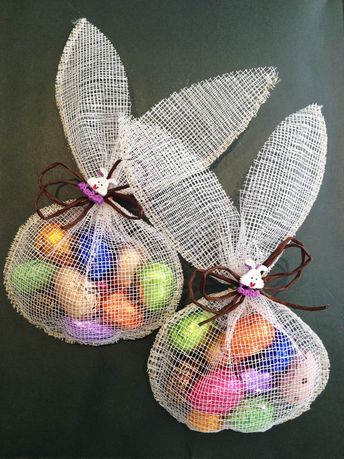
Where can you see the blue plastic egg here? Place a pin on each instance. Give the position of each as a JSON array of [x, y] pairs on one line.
[[277, 357], [95, 253]]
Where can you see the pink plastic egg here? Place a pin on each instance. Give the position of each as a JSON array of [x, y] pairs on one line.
[[299, 383], [217, 393]]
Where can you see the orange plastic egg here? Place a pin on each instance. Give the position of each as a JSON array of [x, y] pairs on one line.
[[204, 422], [120, 311], [49, 243], [252, 333]]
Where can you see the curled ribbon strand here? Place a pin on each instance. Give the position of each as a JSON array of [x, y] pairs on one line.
[[83, 201], [225, 274]]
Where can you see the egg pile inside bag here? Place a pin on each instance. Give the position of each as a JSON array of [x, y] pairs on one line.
[[259, 365], [109, 277]]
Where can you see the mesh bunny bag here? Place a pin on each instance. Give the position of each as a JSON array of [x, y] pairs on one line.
[[108, 276], [94, 273], [240, 358]]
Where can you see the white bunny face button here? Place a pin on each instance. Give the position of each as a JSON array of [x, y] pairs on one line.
[[100, 184], [252, 282]]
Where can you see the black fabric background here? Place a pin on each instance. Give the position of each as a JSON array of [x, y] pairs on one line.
[[67, 400]]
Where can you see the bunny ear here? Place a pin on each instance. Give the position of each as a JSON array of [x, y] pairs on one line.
[[210, 115], [250, 263], [262, 269], [181, 199], [91, 94], [284, 181], [103, 171]]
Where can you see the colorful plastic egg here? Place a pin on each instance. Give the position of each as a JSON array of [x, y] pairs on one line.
[[129, 260], [204, 422], [187, 333], [87, 331], [97, 254], [298, 384], [252, 415], [216, 352], [46, 308], [32, 275], [277, 357], [76, 294], [157, 282], [49, 242], [251, 334], [45, 301], [121, 312], [180, 379], [256, 382], [217, 392]]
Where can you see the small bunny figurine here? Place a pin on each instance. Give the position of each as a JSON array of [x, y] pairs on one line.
[[251, 282], [239, 359], [96, 272], [101, 184]]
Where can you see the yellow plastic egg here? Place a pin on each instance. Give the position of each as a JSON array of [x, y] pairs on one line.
[[49, 243], [204, 422], [216, 352]]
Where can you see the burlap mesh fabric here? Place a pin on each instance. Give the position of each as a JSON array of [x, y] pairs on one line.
[[260, 365], [108, 277], [105, 279], [208, 116]]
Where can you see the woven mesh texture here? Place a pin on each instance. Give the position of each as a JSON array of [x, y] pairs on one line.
[[180, 197], [187, 203], [283, 182], [105, 279], [260, 365], [109, 278], [91, 94], [208, 116]]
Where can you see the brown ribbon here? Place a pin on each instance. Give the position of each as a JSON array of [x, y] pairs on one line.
[[83, 201], [233, 279]]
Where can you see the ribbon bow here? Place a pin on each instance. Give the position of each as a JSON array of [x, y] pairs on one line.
[[238, 294], [89, 198]]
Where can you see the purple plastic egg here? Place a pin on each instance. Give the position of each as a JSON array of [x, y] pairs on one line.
[[88, 331], [256, 382]]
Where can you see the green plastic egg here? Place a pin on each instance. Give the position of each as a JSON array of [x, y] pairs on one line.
[[252, 415], [186, 334], [32, 276], [156, 284]]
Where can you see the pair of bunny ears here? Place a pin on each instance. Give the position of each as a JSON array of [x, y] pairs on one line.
[[167, 151]]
